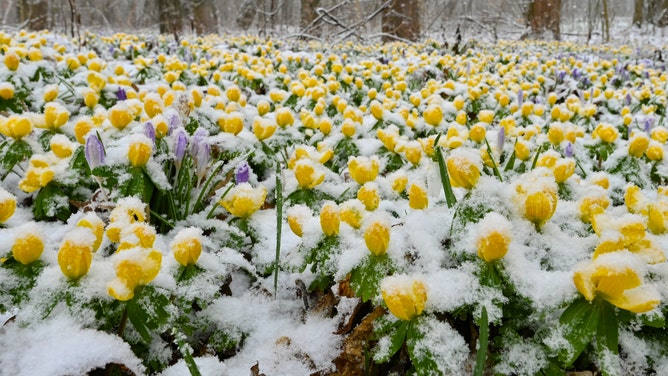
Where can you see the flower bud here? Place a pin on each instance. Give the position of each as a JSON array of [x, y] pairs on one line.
[[417, 197], [638, 144], [352, 213], [377, 237], [139, 150], [263, 128], [363, 169], [94, 151], [297, 216], [187, 246], [307, 174], [244, 200], [433, 115], [29, 243], [493, 237], [7, 205], [76, 253], [463, 168], [368, 195], [330, 218], [404, 296]]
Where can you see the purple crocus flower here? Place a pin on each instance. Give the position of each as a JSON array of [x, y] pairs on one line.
[[649, 122], [199, 151], [568, 152], [94, 151], [520, 97], [121, 95], [501, 138], [627, 99], [242, 173], [180, 144], [149, 131]]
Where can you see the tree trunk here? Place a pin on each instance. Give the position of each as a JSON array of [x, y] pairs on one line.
[[308, 11], [606, 22], [638, 18], [34, 14], [402, 20], [659, 11], [205, 17], [171, 17], [545, 15], [247, 13]]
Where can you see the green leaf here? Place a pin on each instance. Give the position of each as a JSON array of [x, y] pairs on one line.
[[140, 185], [607, 338], [423, 361], [491, 157], [51, 203], [397, 338], [511, 162], [312, 198], [138, 318], [580, 322], [279, 224], [482, 343], [450, 198], [365, 279], [14, 153]]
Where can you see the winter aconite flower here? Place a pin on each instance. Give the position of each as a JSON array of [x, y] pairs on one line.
[[433, 114], [16, 126], [537, 197], [120, 115], [404, 296], [244, 200], [308, 175], [297, 216], [368, 195], [417, 196], [263, 128], [284, 117], [493, 237], [377, 236], [29, 243], [7, 205], [55, 116], [139, 150], [330, 218], [38, 175], [92, 222], [76, 253], [187, 246], [615, 278], [134, 267], [464, 168], [363, 169]]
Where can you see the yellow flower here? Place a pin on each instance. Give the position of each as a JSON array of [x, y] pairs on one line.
[[522, 151], [76, 253], [234, 123], [433, 114], [55, 115], [153, 105], [463, 168], [617, 282], [368, 195], [139, 150], [638, 144], [493, 237], [537, 197], [297, 216], [263, 128], [96, 81], [61, 146], [377, 237], [187, 246], [563, 169], [12, 60], [654, 151], [244, 200], [7, 205], [593, 204], [352, 213], [659, 134], [307, 174], [284, 117], [263, 107], [6, 91], [16, 126], [136, 234], [363, 169], [330, 218], [348, 128], [120, 115], [634, 200], [657, 217], [417, 197], [404, 296], [606, 132], [556, 133], [486, 116], [233, 93], [477, 133], [96, 226], [413, 152], [135, 267], [377, 110], [29, 244], [81, 129], [38, 175]]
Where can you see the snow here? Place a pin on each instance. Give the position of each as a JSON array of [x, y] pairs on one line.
[[230, 296]]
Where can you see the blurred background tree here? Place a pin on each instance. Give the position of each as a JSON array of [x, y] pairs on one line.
[[342, 20]]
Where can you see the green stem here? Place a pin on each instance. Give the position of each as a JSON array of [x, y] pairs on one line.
[[491, 156], [482, 342], [161, 218], [450, 198], [204, 189], [124, 322], [279, 223]]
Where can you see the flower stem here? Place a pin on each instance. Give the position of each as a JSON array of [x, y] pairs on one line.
[[124, 322]]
